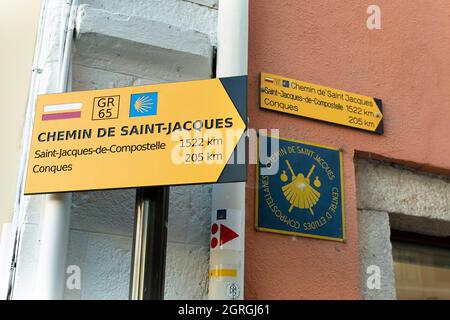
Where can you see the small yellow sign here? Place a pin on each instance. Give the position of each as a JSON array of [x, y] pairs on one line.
[[167, 134], [322, 103]]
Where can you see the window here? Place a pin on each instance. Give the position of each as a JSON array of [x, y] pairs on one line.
[[422, 268]]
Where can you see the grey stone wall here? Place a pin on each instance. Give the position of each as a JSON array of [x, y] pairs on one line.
[[127, 43], [390, 196], [376, 250]]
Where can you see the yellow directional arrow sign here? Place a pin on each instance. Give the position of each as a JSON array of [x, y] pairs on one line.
[[167, 134], [322, 103]]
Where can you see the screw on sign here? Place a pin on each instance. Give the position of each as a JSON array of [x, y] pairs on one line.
[[233, 291], [226, 235]]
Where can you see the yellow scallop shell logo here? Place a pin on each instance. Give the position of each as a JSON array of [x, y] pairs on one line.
[[299, 191]]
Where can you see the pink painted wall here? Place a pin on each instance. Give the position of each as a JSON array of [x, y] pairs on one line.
[[406, 64]]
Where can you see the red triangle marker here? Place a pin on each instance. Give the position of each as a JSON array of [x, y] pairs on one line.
[[226, 234]]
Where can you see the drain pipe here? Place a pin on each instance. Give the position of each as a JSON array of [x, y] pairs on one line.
[[55, 223], [226, 276], [12, 243], [6, 253]]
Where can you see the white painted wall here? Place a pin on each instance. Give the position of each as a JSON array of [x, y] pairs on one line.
[[127, 43]]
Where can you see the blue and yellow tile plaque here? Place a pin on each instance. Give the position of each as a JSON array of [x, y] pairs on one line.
[[303, 195]]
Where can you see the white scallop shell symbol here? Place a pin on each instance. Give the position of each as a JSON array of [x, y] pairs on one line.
[[143, 104]]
